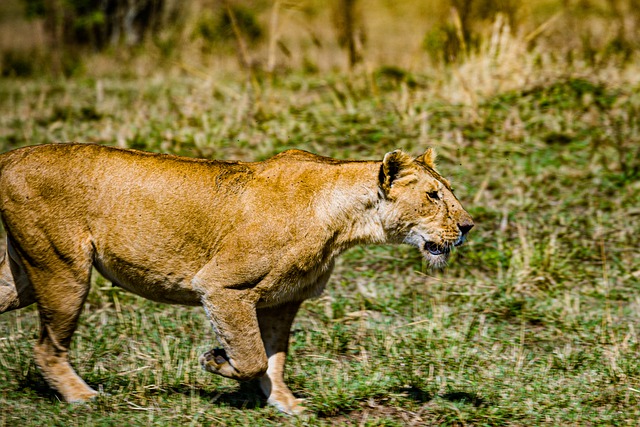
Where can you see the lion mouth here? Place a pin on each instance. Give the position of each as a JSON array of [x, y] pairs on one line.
[[461, 240], [435, 249]]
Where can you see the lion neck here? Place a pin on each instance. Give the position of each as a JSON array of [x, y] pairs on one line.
[[350, 206]]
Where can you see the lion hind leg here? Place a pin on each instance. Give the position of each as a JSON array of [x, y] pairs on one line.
[[15, 288], [61, 292]]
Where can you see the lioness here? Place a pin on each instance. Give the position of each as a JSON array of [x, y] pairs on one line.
[[247, 241]]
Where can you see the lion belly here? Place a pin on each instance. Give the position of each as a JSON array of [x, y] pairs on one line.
[[154, 285]]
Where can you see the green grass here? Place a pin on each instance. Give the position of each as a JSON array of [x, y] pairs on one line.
[[535, 321]]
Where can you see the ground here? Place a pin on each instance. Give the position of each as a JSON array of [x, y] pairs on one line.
[[534, 322]]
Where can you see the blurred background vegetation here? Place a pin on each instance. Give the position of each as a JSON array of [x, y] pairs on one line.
[[75, 37]]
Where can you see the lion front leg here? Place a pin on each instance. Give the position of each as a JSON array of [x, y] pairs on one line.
[[233, 317], [275, 325]]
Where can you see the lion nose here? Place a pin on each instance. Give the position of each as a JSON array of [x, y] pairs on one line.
[[465, 227]]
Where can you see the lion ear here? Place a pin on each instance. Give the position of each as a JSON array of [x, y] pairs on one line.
[[392, 167], [428, 158]]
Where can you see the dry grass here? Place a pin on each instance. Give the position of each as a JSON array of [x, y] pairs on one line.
[[533, 323]]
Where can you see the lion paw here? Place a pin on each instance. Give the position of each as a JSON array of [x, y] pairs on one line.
[[296, 408], [80, 397], [215, 360], [291, 406]]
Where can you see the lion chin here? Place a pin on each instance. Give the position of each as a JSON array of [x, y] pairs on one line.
[[436, 255]]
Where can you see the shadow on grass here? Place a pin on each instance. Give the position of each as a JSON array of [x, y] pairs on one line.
[[376, 404], [416, 394], [246, 396], [464, 397], [34, 382]]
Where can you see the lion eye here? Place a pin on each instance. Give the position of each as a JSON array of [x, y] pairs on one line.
[[433, 195]]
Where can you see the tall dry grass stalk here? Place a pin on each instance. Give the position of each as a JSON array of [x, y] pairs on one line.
[[502, 62], [506, 61]]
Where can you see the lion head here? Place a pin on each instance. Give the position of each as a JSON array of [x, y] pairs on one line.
[[420, 208]]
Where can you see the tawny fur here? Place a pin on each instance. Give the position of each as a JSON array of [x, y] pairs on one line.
[[247, 241]]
